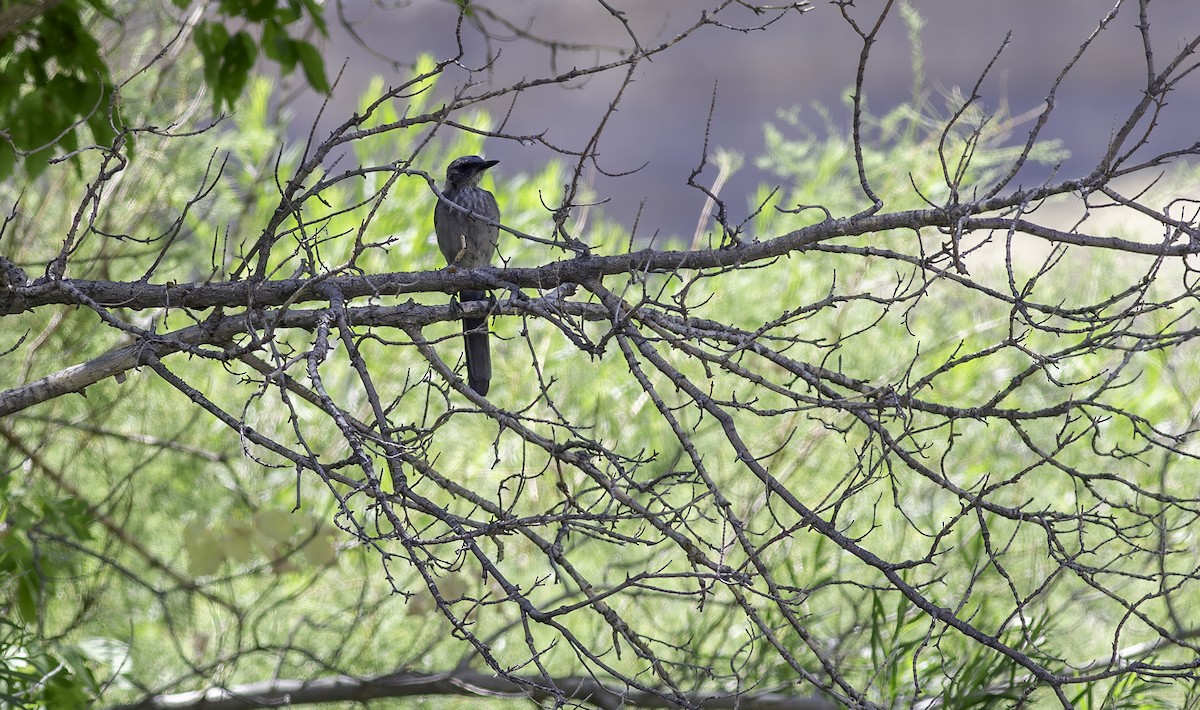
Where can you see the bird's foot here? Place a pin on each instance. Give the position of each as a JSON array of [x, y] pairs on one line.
[[462, 249]]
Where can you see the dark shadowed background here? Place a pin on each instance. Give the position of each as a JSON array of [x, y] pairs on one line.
[[798, 61]]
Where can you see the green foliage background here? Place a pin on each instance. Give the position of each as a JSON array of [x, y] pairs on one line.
[[141, 527]]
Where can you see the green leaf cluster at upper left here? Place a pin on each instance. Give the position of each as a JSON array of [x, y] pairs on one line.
[[228, 58], [52, 80], [56, 78]]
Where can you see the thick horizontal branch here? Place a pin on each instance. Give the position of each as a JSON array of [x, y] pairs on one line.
[[273, 694], [221, 330], [258, 294]]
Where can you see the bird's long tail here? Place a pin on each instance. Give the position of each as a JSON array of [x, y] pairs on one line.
[[479, 355]]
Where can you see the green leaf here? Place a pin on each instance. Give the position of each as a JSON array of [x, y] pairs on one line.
[[236, 62], [320, 551], [102, 129], [253, 10], [287, 14], [278, 46], [317, 14], [275, 524], [211, 39], [8, 160], [74, 514], [238, 542], [80, 97], [314, 66], [27, 596], [205, 554], [11, 78]]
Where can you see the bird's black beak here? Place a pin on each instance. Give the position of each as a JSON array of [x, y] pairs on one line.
[[487, 164]]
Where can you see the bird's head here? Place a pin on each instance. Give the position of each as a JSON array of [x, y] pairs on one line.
[[467, 170]]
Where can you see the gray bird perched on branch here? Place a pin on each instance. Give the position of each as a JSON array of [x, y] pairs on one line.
[[468, 242]]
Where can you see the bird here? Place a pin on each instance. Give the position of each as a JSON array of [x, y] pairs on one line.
[[468, 242]]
